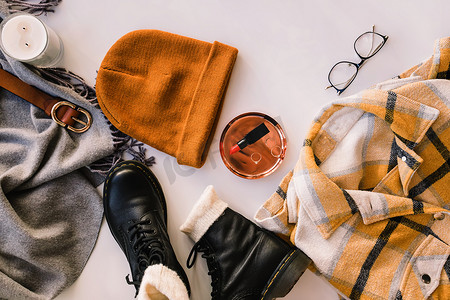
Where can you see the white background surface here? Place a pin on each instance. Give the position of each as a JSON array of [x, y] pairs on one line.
[[286, 49]]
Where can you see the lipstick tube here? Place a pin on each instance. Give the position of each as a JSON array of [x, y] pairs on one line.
[[253, 136]]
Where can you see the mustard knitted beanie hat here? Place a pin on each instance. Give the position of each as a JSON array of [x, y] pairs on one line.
[[166, 90]]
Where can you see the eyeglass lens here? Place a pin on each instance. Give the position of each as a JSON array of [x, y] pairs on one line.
[[343, 74], [366, 45]]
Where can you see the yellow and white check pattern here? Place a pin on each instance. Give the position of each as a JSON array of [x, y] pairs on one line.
[[368, 200]]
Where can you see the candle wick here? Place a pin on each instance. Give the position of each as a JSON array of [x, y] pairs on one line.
[[26, 44], [24, 28]]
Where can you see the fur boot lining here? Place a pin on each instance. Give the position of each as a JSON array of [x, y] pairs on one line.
[[161, 283], [207, 209]]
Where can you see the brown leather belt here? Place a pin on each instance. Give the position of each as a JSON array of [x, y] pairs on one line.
[[64, 113]]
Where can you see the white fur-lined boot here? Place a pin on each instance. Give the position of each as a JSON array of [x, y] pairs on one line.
[[136, 212], [244, 260]]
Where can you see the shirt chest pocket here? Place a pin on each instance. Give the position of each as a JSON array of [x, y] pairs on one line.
[[425, 269]]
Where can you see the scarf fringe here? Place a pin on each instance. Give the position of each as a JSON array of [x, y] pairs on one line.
[[37, 9], [62, 77], [123, 144]]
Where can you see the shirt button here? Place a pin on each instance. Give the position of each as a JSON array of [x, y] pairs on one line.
[[439, 216], [404, 158], [426, 278]]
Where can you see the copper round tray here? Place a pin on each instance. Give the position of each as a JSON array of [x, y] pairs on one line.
[[258, 159]]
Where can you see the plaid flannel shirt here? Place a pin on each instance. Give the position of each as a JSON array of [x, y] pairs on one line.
[[368, 200]]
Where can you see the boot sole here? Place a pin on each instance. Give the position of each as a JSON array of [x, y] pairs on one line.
[[286, 275]]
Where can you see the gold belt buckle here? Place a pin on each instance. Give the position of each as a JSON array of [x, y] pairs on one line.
[[86, 125]]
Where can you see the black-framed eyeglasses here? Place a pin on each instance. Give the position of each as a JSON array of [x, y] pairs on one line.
[[366, 45]]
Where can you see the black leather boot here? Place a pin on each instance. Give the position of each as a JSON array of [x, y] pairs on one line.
[[244, 260], [135, 210]]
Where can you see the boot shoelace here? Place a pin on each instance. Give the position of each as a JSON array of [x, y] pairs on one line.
[[149, 249], [210, 261]]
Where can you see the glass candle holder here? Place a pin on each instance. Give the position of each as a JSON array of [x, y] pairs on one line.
[[258, 159], [27, 39]]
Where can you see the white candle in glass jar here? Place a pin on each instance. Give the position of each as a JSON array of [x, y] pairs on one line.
[[26, 38]]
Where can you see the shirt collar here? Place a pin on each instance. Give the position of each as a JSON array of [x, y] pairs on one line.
[[407, 118], [326, 203]]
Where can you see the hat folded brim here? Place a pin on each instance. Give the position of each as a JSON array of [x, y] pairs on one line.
[[205, 107]]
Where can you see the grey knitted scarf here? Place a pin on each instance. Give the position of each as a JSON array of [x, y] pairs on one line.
[[50, 210]]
